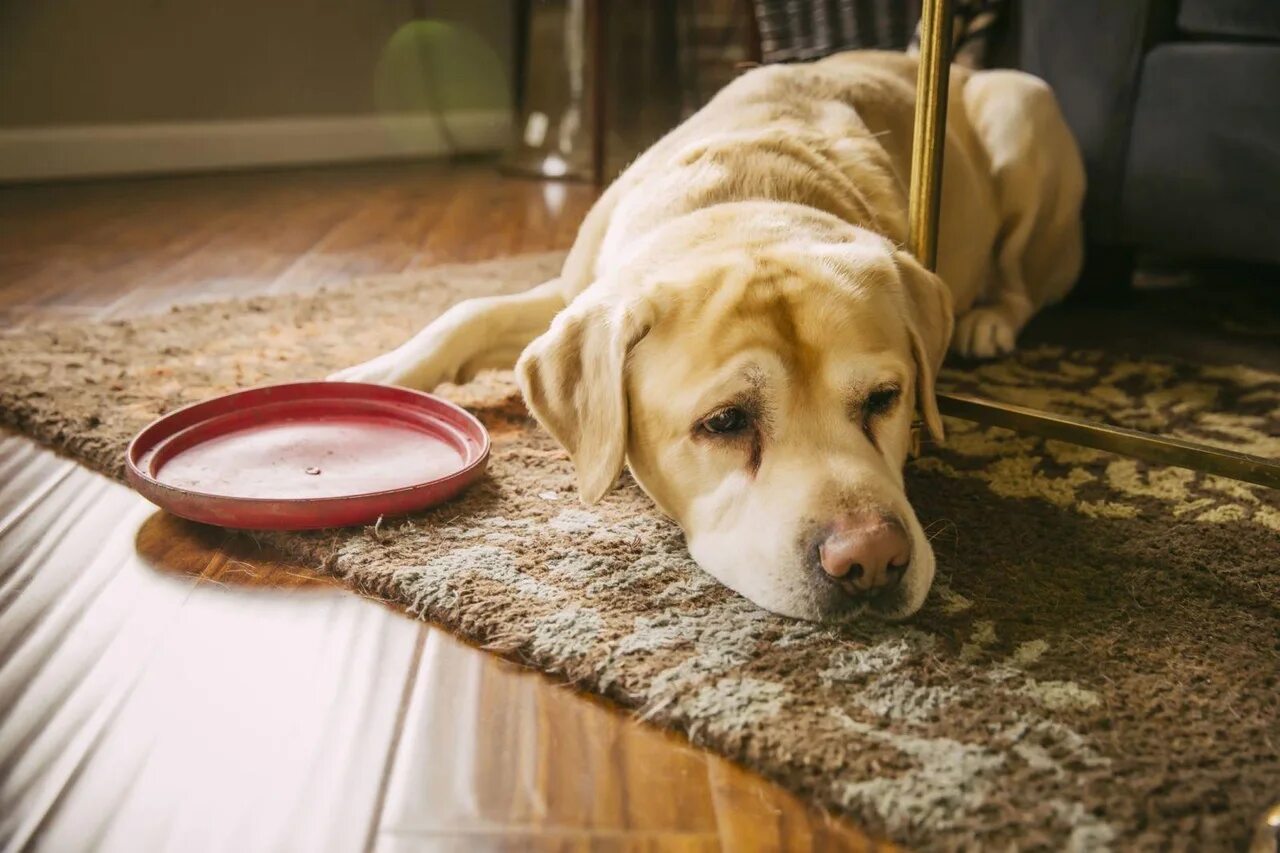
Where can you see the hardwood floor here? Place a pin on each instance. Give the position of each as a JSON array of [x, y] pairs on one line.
[[161, 691]]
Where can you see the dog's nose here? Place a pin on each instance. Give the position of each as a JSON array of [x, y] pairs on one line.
[[868, 551]]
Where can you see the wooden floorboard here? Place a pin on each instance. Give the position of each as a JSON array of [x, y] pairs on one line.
[[164, 687]]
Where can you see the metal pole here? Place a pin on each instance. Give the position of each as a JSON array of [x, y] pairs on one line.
[[930, 130], [599, 33], [1156, 449]]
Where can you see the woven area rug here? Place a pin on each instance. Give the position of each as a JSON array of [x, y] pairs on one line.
[[1098, 665]]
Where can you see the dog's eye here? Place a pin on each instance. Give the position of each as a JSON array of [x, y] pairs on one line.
[[726, 421], [881, 401]]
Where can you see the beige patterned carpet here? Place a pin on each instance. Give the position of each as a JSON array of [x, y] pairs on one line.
[[1097, 667]]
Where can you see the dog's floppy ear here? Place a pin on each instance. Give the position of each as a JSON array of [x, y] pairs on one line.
[[574, 381], [930, 322]]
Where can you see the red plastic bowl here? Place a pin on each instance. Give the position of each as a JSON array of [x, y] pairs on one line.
[[307, 455]]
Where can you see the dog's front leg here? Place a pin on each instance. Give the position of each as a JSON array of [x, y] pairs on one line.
[[489, 332]]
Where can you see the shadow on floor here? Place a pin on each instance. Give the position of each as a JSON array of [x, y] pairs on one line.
[[172, 545]]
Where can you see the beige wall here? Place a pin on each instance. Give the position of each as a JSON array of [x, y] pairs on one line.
[[68, 62]]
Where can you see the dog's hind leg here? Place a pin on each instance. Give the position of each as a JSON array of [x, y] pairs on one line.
[[1039, 183], [489, 332]]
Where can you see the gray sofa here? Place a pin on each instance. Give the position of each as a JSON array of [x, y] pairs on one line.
[[1176, 105]]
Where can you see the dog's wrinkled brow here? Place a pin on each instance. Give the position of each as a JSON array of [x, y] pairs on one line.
[[748, 378], [858, 387], [744, 388]]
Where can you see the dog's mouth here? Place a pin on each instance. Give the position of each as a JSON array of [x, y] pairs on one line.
[[832, 606], [890, 604], [840, 604]]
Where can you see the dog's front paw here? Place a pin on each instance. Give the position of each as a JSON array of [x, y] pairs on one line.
[[983, 333], [406, 368], [386, 369]]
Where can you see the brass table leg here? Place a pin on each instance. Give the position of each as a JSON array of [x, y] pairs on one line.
[[599, 89], [927, 149], [930, 130]]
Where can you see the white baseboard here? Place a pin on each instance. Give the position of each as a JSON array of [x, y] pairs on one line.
[[43, 153]]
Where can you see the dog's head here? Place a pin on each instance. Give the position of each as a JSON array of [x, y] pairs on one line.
[[763, 397]]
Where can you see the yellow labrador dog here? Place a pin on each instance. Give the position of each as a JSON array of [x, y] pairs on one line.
[[739, 323]]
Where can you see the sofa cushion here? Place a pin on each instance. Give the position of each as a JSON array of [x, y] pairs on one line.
[[1255, 19], [1203, 163]]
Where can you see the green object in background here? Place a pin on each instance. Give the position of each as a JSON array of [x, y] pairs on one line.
[[446, 73]]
